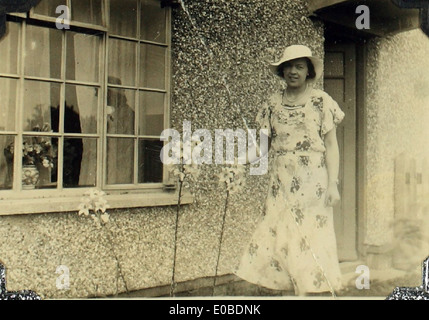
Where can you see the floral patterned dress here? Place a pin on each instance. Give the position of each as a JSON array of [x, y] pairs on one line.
[[294, 243]]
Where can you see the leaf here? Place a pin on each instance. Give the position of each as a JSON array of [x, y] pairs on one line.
[[181, 176]]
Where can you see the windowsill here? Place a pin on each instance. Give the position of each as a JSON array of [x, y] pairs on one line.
[[70, 203]]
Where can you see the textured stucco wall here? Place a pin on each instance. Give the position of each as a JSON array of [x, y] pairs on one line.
[[220, 51], [398, 117]]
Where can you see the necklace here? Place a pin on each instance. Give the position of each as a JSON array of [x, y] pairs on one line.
[[297, 98]]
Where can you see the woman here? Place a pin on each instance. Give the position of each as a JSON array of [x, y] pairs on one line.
[[295, 242]]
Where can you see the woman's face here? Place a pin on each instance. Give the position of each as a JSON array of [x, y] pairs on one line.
[[295, 72]]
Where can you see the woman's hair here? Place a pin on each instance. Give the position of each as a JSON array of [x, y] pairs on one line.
[[310, 66]]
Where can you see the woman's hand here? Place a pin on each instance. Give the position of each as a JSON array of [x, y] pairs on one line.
[[332, 195]]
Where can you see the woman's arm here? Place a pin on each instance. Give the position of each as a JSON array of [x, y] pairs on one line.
[[254, 153], [332, 164]]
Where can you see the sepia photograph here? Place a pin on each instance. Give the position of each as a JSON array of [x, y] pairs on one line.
[[214, 149]]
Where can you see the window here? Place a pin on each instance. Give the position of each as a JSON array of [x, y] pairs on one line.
[[84, 105]]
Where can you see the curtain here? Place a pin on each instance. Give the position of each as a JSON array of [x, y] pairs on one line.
[[121, 102], [86, 56], [120, 151], [7, 106]]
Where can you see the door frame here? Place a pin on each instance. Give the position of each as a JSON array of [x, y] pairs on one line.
[[340, 33], [361, 145]]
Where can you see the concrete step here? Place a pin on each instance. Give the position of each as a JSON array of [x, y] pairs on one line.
[[382, 283]]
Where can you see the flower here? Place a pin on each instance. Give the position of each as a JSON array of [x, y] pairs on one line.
[[94, 194], [231, 176], [185, 167], [46, 163], [105, 217], [84, 209], [101, 205], [36, 150], [182, 153], [94, 204]]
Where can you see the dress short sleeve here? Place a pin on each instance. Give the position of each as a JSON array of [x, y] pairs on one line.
[[263, 118], [332, 114]]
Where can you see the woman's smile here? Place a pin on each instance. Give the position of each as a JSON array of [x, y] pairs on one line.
[[293, 78]]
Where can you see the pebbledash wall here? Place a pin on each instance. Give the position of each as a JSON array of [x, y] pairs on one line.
[[397, 109], [220, 54]]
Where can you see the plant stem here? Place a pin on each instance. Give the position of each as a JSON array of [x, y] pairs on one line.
[[118, 265], [220, 240], [173, 280]]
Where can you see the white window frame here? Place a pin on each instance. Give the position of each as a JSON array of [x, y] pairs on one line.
[[18, 201]]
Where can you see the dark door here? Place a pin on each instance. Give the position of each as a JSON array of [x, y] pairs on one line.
[[340, 83]]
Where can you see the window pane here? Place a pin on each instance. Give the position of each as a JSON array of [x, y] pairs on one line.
[[83, 57], [41, 106], [152, 68], [120, 111], [151, 120], [123, 18], [120, 161], [48, 7], [87, 11], [9, 49], [80, 113], [122, 62], [80, 162], [41, 153], [6, 161], [43, 52], [150, 165], [7, 104], [153, 21]]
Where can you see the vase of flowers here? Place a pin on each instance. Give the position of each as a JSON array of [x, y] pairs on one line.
[[30, 177], [37, 153]]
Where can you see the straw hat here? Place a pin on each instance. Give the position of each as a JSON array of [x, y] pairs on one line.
[[296, 52]]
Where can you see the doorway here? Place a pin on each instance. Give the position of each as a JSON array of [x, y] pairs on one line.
[[340, 81]]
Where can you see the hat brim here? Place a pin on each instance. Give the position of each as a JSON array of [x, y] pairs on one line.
[[317, 63]]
